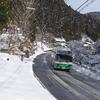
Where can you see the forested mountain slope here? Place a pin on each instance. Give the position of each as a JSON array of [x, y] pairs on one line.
[[53, 16], [95, 15], [61, 20]]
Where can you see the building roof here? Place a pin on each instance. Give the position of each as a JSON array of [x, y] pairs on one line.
[[59, 39]]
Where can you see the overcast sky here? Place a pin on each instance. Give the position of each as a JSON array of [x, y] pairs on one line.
[[94, 6]]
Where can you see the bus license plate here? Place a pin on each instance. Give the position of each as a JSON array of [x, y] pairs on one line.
[[63, 68]]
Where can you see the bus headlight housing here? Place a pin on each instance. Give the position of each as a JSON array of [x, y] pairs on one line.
[[55, 65]]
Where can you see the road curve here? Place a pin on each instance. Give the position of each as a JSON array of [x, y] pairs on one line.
[[61, 84]]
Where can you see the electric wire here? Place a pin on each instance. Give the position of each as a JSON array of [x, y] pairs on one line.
[[86, 5]]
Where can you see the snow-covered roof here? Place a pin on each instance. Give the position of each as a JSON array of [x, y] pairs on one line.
[[59, 39], [85, 38]]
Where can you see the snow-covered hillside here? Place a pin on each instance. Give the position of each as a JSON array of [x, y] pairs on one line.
[[86, 60]]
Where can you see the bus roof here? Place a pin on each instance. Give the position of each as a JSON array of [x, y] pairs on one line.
[[62, 48], [63, 51]]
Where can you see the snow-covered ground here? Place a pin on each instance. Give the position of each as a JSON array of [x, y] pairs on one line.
[[85, 61], [17, 80]]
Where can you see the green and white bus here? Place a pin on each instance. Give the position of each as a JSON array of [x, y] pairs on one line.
[[61, 59]]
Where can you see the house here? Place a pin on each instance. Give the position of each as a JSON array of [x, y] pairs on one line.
[[60, 42]]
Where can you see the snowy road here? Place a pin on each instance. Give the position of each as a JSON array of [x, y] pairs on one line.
[[63, 85]]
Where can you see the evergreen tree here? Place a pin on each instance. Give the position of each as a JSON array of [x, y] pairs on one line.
[[5, 12]]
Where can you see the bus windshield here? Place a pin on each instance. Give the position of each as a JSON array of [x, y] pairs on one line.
[[63, 58]]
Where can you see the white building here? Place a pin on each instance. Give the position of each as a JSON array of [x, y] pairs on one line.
[[60, 42]]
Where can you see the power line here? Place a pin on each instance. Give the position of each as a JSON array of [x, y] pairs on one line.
[[87, 5], [67, 1], [82, 5]]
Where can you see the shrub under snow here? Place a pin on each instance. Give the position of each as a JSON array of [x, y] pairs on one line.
[[82, 56]]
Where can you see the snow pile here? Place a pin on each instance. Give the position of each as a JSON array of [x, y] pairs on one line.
[[17, 81]]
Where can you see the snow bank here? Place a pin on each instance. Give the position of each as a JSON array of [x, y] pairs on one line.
[[85, 61], [85, 72], [17, 81]]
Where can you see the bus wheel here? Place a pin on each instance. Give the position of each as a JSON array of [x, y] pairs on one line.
[[67, 70]]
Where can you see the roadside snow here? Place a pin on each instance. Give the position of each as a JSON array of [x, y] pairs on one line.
[[85, 62], [86, 72], [18, 82]]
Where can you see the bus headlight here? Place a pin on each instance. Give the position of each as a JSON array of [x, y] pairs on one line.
[[55, 65]]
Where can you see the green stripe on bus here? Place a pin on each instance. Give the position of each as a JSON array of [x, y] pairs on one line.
[[63, 65]]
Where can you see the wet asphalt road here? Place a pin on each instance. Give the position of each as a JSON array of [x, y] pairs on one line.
[[64, 85]]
